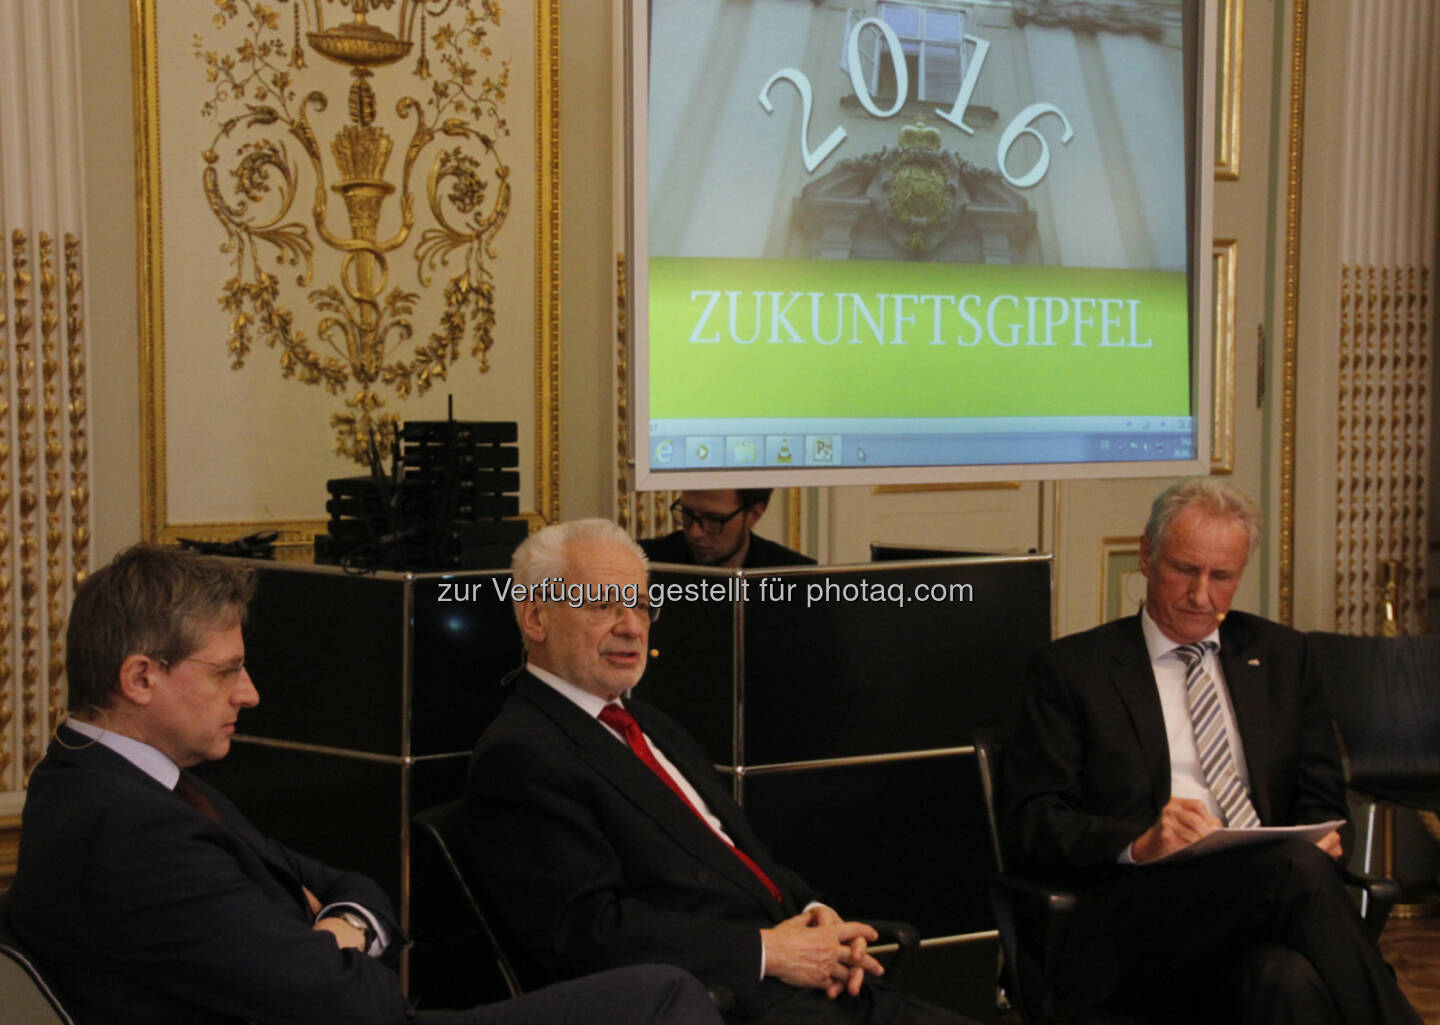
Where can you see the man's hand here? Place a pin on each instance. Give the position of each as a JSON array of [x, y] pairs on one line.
[[346, 935], [1182, 821], [818, 950], [1330, 844], [312, 900]]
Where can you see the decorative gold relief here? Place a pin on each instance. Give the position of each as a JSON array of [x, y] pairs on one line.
[[524, 271], [365, 325], [31, 701], [1382, 435], [1222, 416], [1290, 314], [54, 490], [1227, 90], [7, 672], [622, 393], [78, 411]]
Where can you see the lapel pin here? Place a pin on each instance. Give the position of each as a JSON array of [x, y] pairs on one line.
[[1253, 662]]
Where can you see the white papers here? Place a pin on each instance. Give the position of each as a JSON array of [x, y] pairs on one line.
[[1224, 839]]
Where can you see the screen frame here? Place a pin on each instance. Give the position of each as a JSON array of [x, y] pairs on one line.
[[1199, 19]]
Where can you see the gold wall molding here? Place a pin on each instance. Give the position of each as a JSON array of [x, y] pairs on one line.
[[1228, 92], [1115, 555], [1224, 256], [469, 244], [1382, 445], [7, 669], [9, 849], [642, 513], [1290, 311]]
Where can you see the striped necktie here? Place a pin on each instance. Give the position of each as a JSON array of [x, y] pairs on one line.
[[1217, 760]]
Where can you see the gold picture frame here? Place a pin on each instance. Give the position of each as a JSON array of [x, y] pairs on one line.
[[1224, 263], [160, 518]]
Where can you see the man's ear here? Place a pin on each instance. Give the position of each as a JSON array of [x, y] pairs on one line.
[[753, 514], [532, 624], [137, 683], [1145, 556]]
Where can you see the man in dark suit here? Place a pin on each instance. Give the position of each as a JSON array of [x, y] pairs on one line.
[[1143, 736], [147, 897], [716, 528], [605, 833]]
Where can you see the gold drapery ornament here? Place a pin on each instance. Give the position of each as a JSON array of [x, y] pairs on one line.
[[366, 324]]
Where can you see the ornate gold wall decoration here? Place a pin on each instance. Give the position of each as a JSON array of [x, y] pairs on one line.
[[623, 493], [7, 672], [1382, 446], [31, 701], [364, 327], [1290, 313], [78, 411], [54, 490]]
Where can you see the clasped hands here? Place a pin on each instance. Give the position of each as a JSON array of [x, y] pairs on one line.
[[819, 950], [1184, 820]]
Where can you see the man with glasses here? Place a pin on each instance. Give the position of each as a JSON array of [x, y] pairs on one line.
[[604, 833], [714, 528], [146, 897]]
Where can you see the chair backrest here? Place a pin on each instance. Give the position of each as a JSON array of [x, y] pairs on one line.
[[1384, 693], [987, 755], [444, 827], [25, 998]]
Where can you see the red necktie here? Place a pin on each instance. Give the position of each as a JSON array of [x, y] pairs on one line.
[[618, 719], [195, 797]]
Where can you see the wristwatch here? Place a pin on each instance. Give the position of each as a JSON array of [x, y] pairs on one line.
[[356, 920]]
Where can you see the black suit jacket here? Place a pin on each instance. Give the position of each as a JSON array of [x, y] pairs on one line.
[[762, 553], [1089, 768], [141, 910], [593, 862]]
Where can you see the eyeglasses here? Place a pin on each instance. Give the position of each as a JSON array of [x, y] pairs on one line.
[[225, 670], [613, 611], [711, 523]]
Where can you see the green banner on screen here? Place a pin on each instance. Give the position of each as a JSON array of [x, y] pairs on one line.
[[786, 338]]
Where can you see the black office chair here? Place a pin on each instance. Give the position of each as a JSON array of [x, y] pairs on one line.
[[443, 827], [1384, 694], [25, 998], [1041, 913]]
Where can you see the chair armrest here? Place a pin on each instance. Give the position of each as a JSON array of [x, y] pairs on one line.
[[904, 935], [1035, 897], [1382, 892]]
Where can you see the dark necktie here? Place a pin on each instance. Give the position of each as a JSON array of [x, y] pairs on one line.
[[618, 719], [193, 796], [1212, 739]]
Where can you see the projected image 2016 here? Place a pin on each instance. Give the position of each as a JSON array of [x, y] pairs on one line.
[[916, 235]]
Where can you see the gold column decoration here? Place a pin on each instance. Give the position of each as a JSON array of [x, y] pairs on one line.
[[54, 483], [1294, 164], [7, 704], [78, 411], [622, 393], [364, 324], [1382, 447], [30, 701]]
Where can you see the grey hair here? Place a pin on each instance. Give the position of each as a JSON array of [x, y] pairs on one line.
[[1209, 495], [546, 552]]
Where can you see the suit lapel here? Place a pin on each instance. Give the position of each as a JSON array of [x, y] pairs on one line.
[[249, 847], [614, 761], [1134, 680]]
